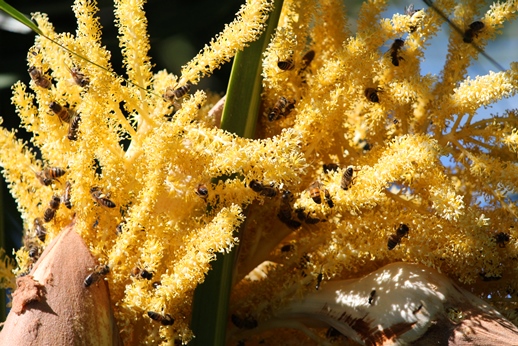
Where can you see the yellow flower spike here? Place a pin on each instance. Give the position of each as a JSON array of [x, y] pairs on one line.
[[247, 26]]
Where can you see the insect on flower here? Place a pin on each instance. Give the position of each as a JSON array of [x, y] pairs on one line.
[[171, 94], [394, 49], [96, 275], [66, 195], [165, 320], [39, 78], [282, 108], [285, 210], [141, 273], [327, 197], [63, 112], [372, 94], [74, 127], [410, 11], [267, 191], [347, 178], [101, 198], [307, 59], [502, 239], [330, 167], [474, 29], [314, 192], [79, 77], [286, 65], [202, 191], [39, 230], [395, 239], [49, 174]]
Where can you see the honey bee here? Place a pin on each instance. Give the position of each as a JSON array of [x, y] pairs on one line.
[[66, 195], [32, 247], [101, 198], [320, 277], [327, 197], [156, 284], [347, 178], [410, 11], [302, 216], [287, 248], [165, 320], [39, 78], [39, 230], [262, 189], [314, 192], [49, 214], [172, 94], [282, 108], [371, 297], [74, 127], [474, 29], [307, 59], [49, 174], [285, 210], [330, 167], [54, 202], [247, 322], [395, 239], [79, 77], [96, 275], [63, 113], [502, 239], [286, 65], [118, 228], [202, 191], [141, 273], [394, 49], [372, 94]]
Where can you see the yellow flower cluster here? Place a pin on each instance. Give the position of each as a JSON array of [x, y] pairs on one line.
[[353, 144]]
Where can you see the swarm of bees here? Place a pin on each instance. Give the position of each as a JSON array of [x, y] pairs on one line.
[[96, 275], [395, 238], [49, 174], [165, 320], [101, 198], [282, 108], [394, 50], [39, 78], [285, 210], [263, 190]]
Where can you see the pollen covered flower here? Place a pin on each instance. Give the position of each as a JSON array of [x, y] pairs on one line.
[[349, 171]]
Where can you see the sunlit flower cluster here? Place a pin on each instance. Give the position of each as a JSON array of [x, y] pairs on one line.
[[386, 145]]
